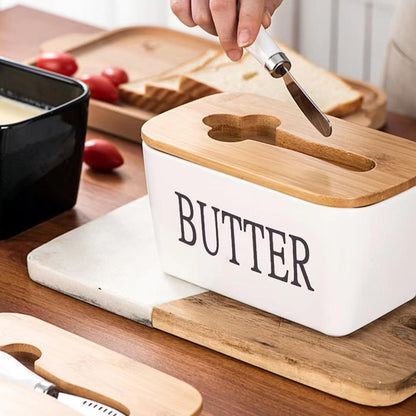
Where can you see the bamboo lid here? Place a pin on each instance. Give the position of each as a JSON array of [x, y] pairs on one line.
[[272, 144]]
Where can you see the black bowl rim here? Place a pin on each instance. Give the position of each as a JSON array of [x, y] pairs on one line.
[[53, 75]]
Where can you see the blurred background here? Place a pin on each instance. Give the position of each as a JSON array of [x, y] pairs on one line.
[[349, 37]]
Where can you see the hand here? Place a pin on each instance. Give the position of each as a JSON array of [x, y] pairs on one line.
[[235, 29]]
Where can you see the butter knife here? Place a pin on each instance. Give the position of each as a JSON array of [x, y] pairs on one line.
[[275, 61], [12, 370]]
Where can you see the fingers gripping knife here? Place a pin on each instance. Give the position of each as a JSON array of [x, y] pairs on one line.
[[265, 50], [12, 370]]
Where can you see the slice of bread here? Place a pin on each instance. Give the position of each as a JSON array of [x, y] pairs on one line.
[[330, 93], [160, 93], [167, 87]]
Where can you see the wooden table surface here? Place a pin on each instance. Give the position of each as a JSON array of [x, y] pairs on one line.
[[229, 387]]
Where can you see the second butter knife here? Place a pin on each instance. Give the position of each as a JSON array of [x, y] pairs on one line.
[[265, 50], [12, 370]]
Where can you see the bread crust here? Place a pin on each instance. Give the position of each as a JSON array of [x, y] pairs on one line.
[[151, 94]]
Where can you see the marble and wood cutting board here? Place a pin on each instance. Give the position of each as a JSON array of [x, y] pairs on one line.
[[112, 262]]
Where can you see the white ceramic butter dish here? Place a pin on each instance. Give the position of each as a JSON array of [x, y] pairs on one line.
[[250, 202]]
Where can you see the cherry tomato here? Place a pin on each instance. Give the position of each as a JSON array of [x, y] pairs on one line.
[[100, 87], [62, 63], [116, 75], [100, 154]]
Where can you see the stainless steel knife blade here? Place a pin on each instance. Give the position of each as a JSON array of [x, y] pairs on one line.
[[12, 370], [275, 61], [307, 106]]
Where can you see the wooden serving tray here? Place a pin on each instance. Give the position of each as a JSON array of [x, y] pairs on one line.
[[80, 367], [147, 51]]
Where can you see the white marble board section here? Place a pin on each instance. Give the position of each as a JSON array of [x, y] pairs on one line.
[[110, 262]]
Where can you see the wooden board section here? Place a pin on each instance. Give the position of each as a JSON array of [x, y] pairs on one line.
[[374, 366], [142, 51], [270, 143], [80, 367], [126, 46]]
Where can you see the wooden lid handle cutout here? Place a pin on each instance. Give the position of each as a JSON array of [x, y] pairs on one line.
[[265, 129], [270, 143]]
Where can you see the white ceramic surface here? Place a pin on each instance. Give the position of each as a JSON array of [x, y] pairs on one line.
[[351, 265], [111, 262]]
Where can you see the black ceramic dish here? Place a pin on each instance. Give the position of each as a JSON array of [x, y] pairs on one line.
[[41, 157]]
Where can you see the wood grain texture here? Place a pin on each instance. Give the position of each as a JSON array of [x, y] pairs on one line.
[[228, 386], [375, 366], [270, 143], [80, 367]]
